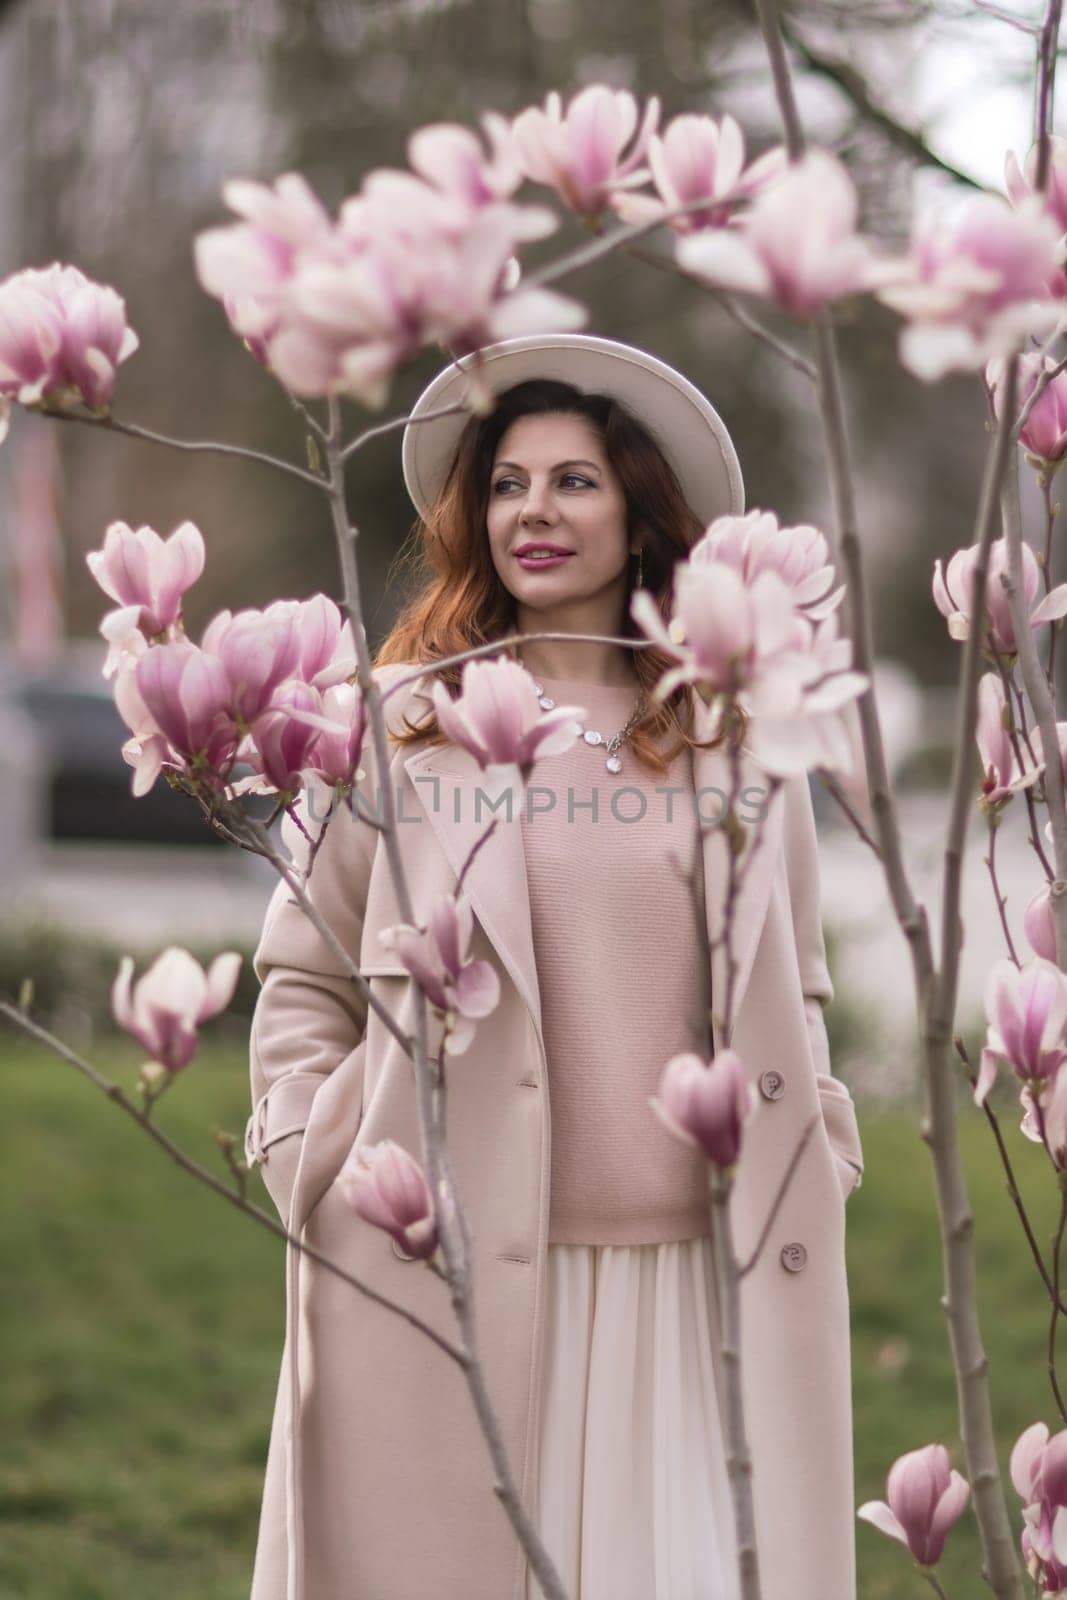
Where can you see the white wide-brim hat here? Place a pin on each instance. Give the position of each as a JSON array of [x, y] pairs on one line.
[[683, 422]]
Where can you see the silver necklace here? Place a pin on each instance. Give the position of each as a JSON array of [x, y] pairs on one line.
[[593, 737]]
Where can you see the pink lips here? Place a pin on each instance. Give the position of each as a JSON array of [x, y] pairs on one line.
[[532, 563]]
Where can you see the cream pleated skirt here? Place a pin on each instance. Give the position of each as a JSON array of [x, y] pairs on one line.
[[634, 1500]]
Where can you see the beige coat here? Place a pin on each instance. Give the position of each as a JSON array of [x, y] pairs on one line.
[[383, 1490]]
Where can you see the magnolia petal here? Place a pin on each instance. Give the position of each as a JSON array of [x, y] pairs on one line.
[[1054, 605], [561, 730], [951, 1506], [1059, 1535], [531, 310], [646, 613], [672, 1126], [1025, 1457], [459, 1039], [878, 1514], [477, 989], [724, 259], [930, 350], [121, 1003], [222, 978], [146, 756], [987, 1073]]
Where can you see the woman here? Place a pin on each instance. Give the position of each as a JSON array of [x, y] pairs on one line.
[[593, 1294]]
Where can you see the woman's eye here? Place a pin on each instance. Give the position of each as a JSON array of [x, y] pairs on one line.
[[502, 484]]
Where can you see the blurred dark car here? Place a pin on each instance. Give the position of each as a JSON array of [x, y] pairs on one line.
[[80, 734]]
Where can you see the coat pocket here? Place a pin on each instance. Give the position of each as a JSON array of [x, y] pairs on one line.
[[839, 1119], [848, 1175]]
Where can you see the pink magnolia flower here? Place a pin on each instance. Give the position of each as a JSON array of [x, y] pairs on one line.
[[334, 757], [580, 152], [248, 264], [256, 652], [1039, 1473], [1044, 435], [182, 693], [797, 245], [697, 158], [420, 268], [166, 1006], [325, 654], [31, 337], [1039, 926], [334, 308], [282, 738], [62, 337], [754, 543], [1026, 1014], [749, 639], [798, 705], [974, 285], [453, 159], [952, 593], [386, 1186], [723, 630], [706, 1104], [1001, 774], [139, 569], [436, 956], [927, 1497], [497, 717]]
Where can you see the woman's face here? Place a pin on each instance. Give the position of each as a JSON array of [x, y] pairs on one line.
[[552, 485]]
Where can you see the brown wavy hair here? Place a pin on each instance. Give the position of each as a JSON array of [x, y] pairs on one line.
[[460, 601]]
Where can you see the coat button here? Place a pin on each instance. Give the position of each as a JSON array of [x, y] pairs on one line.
[[772, 1085], [794, 1257], [401, 1255]]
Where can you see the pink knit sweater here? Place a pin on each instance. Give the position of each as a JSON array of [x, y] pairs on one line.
[[619, 971]]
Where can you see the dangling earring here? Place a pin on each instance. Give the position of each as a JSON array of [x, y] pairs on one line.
[[640, 582]]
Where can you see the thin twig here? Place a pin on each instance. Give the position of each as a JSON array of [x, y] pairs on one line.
[[1019, 23], [1009, 1172], [742, 317], [395, 423], [111, 424], [833, 785]]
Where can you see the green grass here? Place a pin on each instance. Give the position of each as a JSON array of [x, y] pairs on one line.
[[142, 1330]]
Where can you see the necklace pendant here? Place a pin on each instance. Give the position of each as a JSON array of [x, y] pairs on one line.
[[613, 764]]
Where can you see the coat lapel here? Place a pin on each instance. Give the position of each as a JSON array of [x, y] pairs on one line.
[[496, 881]]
